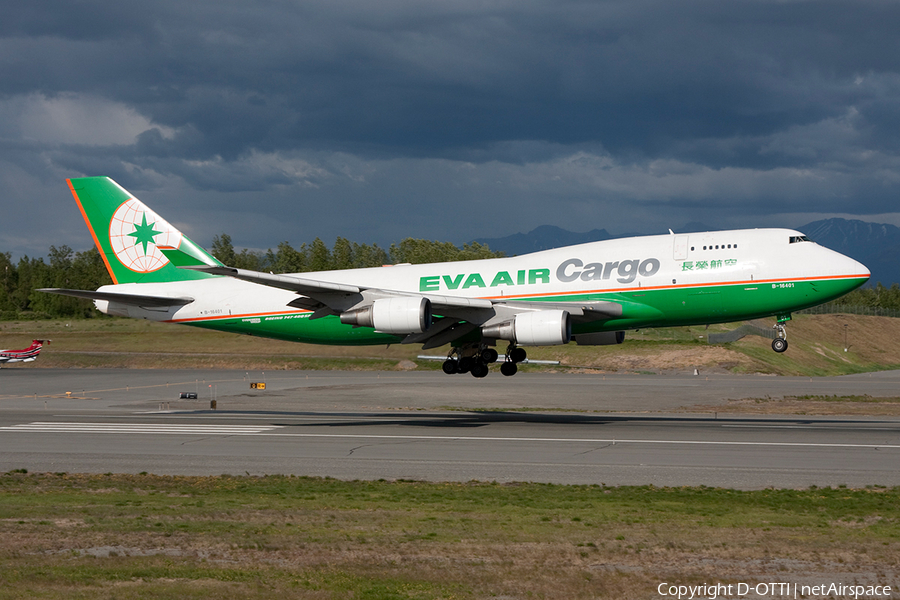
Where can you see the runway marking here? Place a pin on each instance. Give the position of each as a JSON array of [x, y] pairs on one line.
[[157, 428], [270, 431], [50, 396]]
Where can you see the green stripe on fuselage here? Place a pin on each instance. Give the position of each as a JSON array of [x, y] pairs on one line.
[[298, 327]]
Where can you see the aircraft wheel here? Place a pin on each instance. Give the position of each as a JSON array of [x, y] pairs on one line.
[[489, 355], [465, 365], [518, 355], [509, 369], [450, 366], [779, 344], [479, 369]]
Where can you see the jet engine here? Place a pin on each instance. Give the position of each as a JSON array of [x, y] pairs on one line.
[[539, 328], [392, 315]]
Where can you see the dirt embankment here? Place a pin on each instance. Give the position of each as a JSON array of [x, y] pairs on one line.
[[819, 345]]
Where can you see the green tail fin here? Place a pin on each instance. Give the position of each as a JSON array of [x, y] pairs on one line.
[[127, 234]]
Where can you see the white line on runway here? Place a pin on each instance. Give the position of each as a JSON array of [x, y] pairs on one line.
[[267, 417], [269, 432], [878, 423], [173, 428]]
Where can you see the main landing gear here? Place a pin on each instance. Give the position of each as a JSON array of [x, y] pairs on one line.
[[471, 358], [514, 355], [475, 358], [780, 344]]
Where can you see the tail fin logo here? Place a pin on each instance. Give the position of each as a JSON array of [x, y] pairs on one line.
[[134, 233]]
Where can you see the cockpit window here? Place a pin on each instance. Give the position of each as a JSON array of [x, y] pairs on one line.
[[799, 238]]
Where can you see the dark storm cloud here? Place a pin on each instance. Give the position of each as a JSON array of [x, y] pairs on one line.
[[616, 112], [633, 75]]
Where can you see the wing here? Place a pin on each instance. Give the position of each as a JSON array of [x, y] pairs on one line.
[[456, 316]]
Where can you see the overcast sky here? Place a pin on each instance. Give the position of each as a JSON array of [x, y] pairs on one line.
[[275, 120]]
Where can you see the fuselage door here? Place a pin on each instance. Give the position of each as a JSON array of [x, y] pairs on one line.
[[681, 247]]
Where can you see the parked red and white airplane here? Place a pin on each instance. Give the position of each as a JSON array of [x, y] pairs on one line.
[[24, 355]]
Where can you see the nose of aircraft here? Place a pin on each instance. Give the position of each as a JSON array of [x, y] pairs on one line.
[[862, 269], [852, 272]]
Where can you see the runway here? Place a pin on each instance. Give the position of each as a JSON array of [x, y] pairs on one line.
[[399, 426]]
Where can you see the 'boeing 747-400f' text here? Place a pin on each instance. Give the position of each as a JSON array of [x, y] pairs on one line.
[[590, 293]]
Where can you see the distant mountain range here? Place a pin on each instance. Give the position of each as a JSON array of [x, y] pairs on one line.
[[876, 245]]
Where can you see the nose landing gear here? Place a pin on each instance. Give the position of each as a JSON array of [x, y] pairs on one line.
[[780, 344]]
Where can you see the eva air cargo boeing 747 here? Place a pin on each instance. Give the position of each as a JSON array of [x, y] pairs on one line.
[[590, 293]]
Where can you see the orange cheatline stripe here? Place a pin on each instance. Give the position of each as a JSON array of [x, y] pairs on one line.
[[674, 287], [93, 234], [244, 316]]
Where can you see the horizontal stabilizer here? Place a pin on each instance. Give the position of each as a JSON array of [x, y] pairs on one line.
[[130, 299]]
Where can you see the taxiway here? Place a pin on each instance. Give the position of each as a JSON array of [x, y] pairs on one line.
[[422, 426]]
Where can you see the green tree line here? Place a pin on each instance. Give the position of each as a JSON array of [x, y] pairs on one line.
[[66, 268], [878, 296], [316, 256]]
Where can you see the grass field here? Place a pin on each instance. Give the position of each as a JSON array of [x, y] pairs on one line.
[[817, 348], [806, 405], [145, 536]]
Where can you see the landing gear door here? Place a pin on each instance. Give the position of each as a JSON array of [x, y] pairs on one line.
[[681, 247]]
